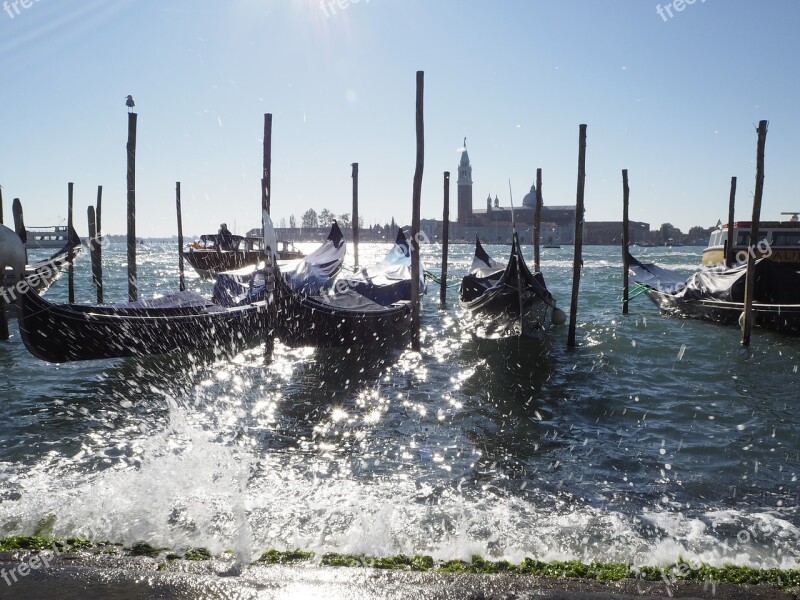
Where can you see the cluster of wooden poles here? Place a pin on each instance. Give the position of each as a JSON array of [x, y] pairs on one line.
[[95, 241], [95, 236], [415, 219], [747, 313]]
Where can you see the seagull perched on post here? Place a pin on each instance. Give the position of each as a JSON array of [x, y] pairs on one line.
[[129, 102]]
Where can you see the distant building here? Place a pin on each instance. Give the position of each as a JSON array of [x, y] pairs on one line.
[[464, 188], [493, 223], [610, 232]]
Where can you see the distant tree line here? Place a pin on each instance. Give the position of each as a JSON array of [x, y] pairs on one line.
[[313, 220], [668, 233]]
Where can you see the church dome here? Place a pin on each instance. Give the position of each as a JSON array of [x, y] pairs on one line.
[[530, 198]]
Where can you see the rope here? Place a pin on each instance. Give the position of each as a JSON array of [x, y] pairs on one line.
[[438, 280], [638, 291]]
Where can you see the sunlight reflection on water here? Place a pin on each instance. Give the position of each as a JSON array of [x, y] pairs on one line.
[[625, 449]]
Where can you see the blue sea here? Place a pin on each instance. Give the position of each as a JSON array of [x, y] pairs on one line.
[[656, 438]]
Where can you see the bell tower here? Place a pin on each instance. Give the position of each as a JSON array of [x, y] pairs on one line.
[[464, 188]]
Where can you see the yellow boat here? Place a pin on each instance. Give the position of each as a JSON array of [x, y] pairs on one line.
[[778, 241]]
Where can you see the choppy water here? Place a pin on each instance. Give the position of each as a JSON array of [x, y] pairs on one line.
[[656, 438]]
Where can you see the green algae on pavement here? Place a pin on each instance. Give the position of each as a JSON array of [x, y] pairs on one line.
[[598, 571]]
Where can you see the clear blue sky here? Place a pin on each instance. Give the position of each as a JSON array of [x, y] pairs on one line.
[[674, 101]]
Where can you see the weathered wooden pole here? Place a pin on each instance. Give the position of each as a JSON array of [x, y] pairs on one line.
[[266, 178], [132, 286], [625, 241], [751, 261], [70, 252], [19, 228], [4, 335], [415, 210], [181, 278], [355, 214], [266, 202], [577, 260], [445, 240], [537, 223], [94, 252], [729, 255], [98, 244], [19, 220]]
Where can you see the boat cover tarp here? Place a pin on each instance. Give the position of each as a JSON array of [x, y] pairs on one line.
[[389, 281], [774, 283], [348, 299], [310, 274]]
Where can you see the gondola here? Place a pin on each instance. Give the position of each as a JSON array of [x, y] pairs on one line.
[[503, 301], [184, 322], [314, 308], [248, 284], [208, 258], [717, 294], [41, 274], [371, 308]]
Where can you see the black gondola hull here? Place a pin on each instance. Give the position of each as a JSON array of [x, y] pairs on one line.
[[784, 318], [62, 333], [496, 314], [209, 262], [506, 302], [716, 295], [303, 320]]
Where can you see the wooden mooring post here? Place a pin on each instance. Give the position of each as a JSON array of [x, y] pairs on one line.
[[266, 202], [355, 215], [729, 255], [4, 335], [181, 278], [96, 246], [577, 259], [19, 228], [266, 177], [19, 220], [747, 315], [625, 241], [445, 240], [537, 223], [71, 252], [131, 148], [415, 213]]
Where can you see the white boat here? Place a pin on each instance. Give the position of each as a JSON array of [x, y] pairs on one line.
[[47, 237], [778, 241]]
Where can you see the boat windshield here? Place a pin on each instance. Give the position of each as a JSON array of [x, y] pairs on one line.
[[743, 237], [786, 238]]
